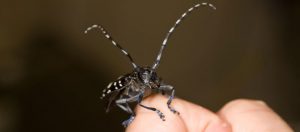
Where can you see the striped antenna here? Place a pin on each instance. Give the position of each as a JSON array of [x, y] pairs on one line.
[[106, 34], [164, 43]]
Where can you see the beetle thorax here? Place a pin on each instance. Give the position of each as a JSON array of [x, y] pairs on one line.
[[146, 75]]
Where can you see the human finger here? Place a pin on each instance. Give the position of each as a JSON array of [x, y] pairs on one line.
[[252, 116], [192, 118]]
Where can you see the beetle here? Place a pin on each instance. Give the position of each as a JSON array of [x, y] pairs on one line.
[[142, 81]]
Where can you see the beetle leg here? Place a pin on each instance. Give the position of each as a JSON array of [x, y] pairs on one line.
[[126, 108], [165, 89], [128, 121], [160, 114], [123, 104]]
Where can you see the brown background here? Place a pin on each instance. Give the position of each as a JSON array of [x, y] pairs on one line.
[[51, 74]]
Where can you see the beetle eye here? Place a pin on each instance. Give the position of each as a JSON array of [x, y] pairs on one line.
[[153, 76]]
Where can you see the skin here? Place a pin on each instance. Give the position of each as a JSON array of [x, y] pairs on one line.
[[241, 115]]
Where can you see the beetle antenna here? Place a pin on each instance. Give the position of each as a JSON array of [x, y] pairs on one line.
[[108, 36], [186, 13]]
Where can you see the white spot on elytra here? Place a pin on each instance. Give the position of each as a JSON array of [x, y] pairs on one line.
[[115, 83], [108, 91], [109, 85], [107, 36], [120, 83]]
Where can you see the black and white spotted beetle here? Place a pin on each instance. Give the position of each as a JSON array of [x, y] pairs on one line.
[[142, 81]]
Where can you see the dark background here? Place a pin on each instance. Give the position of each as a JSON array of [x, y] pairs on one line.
[[51, 74]]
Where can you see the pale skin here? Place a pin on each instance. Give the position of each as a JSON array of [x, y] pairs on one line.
[[240, 115]]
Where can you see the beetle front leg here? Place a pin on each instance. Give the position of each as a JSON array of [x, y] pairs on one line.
[[166, 89], [160, 114]]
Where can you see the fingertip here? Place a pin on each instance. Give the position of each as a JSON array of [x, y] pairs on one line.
[[252, 115], [242, 105], [198, 118]]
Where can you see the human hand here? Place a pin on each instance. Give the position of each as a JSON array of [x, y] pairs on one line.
[[236, 116]]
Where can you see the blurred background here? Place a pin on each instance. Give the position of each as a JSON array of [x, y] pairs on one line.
[[51, 74]]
